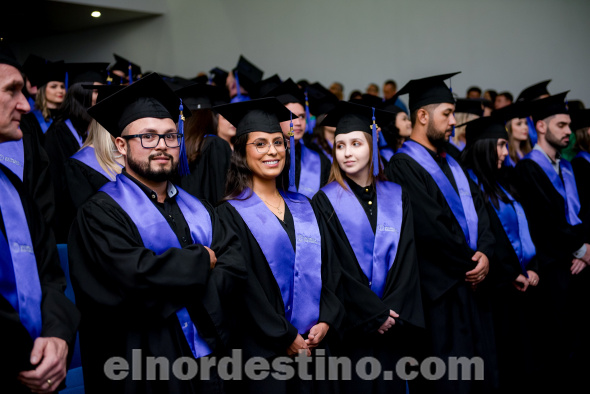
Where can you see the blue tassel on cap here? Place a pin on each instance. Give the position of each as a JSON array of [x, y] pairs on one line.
[[183, 160], [66, 81], [239, 97], [451, 89], [308, 128], [130, 72], [292, 187], [375, 146], [109, 78]]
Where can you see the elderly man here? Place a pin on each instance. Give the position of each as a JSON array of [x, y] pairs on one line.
[[37, 322]]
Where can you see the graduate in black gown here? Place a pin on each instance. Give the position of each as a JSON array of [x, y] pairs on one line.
[[321, 101], [152, 267], [514, 275], [453, 239], [37, 321], [208, 155], [289, 305], [581, 163], [550, 199], [312, 167], [372, 232]]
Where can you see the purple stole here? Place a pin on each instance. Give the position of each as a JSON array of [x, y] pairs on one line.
[[12, 155], [375, 253], [87, 156], [19, 278], [42, 122], [584, 155], [157, 235], [74, 132], [298, 275], [387, 153], [310, 177], [566, 188], [461, 204]]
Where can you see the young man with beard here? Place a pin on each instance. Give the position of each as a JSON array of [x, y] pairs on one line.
[[550, 198], [152, 266], [453, 240], [37, 321]]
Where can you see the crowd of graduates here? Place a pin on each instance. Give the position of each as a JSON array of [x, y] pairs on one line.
[[231, 211]]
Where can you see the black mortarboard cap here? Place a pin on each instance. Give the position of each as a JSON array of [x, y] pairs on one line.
[[533, 92], [369, 100], [288, 92], [580, 119], [303, 83], [520, 109], [104, 91], [262, 88], [484, 128], [86, 72], [321, 100], [469, 106], [263, 114], [148, 97], [348, 117], [549, 106], [54, 71], [390, 106], [200, 79], [218, 76], [123, 64], [248, 73], [7, 56], [34, 67], [430, 90], [202, 96]]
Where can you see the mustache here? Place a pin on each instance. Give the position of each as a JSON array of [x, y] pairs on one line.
[[162, 154]]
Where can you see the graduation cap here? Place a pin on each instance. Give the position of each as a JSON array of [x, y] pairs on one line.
[[262, 88], [86, 72], [266, 115], [149, 97], [202, 78], [390, 106], [288, 92], [202, 96], [580, 119], [175, 82], [533, 92], [430, 90], [321, 100], [132, 70], [33, 68], [303, 83], [549, 106], [484, 128], [218, 76], [368, 100], [7, 56], [104, 91], [54, 71], [469, 106], [247, 74], [520, 109], [348, 117]]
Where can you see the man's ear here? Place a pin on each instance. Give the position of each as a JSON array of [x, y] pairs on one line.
[[121, 145], [541, 126], [422, 116]]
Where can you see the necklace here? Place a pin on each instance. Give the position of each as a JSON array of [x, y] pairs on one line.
[[278, 208]]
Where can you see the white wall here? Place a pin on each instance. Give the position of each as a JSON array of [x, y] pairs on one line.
[[499, 44]]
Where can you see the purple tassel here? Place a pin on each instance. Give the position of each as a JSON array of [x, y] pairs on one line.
[[183, 168], [130, 71], [375, 146], [66, 81], [308, 128], [292, 187], [240, 98]]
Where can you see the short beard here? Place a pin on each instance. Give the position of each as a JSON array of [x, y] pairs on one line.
[[145, 171], [435, 137], [551, 140]]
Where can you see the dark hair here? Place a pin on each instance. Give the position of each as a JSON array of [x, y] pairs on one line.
[[508, 96], [482, 158], [582, 140], [355, 94], [239, 175], [391, 134], [74, 107], [199, 124], [474, 89], [318, 136], [391, 82], [492, 94]]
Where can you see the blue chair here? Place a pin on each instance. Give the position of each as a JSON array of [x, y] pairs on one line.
[[74, 378]]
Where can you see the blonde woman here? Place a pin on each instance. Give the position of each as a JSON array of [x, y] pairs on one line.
[[466, 110], [519, 142]]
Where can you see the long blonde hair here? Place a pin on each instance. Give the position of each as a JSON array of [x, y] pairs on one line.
[[514, 145], [41, 102], [460, 118], [104, 148]]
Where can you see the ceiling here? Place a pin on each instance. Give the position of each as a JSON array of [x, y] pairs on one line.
[[27, 19]]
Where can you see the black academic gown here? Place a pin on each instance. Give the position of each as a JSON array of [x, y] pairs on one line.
[[30, 124], [581, 169], [82, 181], [560, 292], [208, 172], [264, 330], [365, 311], [60, 317], [129, 296], [458, 319], [60, 145], [325, 163]]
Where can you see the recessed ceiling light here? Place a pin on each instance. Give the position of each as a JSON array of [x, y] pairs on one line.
[[95, 14]]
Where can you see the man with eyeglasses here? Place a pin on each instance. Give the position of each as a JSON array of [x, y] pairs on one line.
[[151, 265]]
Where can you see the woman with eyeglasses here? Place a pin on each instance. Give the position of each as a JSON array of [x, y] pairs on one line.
[[371, 230], [289, 305], [515, 264]]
